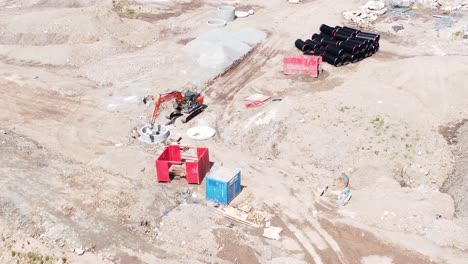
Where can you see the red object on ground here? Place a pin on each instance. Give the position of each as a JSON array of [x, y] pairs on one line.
[[301, 64], [196, 167], [255, 100]]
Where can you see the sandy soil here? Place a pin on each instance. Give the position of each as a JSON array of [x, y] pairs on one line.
[[72, 74]]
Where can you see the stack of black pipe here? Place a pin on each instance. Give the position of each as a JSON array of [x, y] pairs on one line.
[[340, 45]]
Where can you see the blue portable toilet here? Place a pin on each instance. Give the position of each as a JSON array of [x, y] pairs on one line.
[[223, 184]]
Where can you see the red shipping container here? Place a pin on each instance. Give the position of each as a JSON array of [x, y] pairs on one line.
[[196, 167], [301, 64]]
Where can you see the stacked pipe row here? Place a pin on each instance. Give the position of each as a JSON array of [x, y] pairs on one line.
[[340, 45]]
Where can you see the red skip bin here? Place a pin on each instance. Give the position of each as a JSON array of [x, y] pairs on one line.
[[300, 64], [196, 166]]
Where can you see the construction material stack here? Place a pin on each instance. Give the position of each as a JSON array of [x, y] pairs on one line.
[[340, 45]]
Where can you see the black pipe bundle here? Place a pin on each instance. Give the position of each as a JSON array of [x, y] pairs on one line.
[[340, 45]]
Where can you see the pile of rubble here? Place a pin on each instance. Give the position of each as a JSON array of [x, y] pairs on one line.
[[366, 14]]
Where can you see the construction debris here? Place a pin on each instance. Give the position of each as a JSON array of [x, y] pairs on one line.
[[245, 207], [342, 181], [243, 14], [234, 214], [256, 100], [344, 197], [366, 14], [80, 251], [272, 232], [251, 214], [185, 193], [258, 216], [402, 3]]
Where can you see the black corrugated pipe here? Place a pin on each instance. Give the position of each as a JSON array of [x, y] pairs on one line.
[[373, 37], [345, 59], [361, 46], [349, 47], [314, 43], [317, 52], [317, 36], [370, 34], [353, 57], [327, 30], [333, 60], [345, 32], [362, 40], [331, 42], [339, 36], [357, 31], [335, 51], [358, 41], [367, 54], [300, 44], [363, 49], [340, 45]]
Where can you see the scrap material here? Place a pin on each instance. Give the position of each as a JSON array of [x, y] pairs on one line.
[[256, 100], [272, 232], [231, 214]]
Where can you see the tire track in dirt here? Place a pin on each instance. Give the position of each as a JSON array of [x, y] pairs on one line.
[[356, 243], [62, 121], [241, 72], [225, 86], [80, 128], [30, 105], [41, 200], [324, 241]]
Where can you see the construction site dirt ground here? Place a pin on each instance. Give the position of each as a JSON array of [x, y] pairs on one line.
[[75, 189]]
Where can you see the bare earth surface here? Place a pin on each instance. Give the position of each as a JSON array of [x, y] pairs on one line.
[[72, 74]]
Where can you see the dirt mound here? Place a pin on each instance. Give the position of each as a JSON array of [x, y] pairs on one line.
[[70, 36], [456, 185]]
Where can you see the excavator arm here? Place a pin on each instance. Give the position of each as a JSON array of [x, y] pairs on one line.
[[161, 98]]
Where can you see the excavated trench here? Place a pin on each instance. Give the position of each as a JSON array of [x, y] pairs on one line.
[[456, 135]]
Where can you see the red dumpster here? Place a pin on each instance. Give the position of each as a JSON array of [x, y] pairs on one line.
[[196, 167]]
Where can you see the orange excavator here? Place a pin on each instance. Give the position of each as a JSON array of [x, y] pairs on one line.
[[190, 103]]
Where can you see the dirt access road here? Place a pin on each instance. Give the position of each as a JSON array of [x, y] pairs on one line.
[[71, 77]]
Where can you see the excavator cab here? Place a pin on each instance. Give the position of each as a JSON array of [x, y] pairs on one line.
[[191, 101]]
